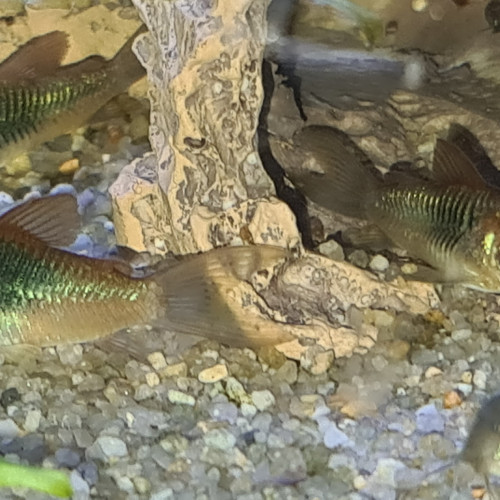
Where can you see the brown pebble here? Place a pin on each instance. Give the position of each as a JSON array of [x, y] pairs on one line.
[[478, 492], [452, 399], [69, 166]]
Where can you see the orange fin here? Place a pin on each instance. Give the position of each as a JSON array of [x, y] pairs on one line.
[[451, 166], [200, 291], [52, 219], [38, 58]]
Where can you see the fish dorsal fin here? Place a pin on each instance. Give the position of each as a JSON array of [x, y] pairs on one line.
[[52, 219], [452, 167], [38, 58]]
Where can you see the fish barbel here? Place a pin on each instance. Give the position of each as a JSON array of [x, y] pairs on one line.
[[40, 99], [49, 296], [451, 221]]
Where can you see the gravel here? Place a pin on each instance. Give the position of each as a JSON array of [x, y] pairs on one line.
[[212, 422]]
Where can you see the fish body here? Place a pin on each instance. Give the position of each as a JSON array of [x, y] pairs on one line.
[[40, 99], [451, 221], [49, 296]]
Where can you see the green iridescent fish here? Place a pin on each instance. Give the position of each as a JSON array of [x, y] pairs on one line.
[[451, 221], [49, 296], [40, 99]]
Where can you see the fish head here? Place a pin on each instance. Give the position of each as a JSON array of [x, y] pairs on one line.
[[483, 264]]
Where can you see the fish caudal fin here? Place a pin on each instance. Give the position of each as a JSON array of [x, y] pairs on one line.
[[209, 295], [346, 177]]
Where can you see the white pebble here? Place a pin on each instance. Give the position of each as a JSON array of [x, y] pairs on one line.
[[378, 264], [180, 398], [32, 421], [479, 379], [263, 399]]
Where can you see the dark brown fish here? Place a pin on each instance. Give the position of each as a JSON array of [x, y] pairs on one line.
[[451, 221], [49, 296]]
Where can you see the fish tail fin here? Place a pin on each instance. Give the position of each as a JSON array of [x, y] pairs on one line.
[[348, 175], [203, 296], [125, 64]]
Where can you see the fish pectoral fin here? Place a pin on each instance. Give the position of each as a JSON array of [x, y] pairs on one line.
[[427, 274], [20, 353], [370, 236], [209, 295], [52, 219], [451, 166], [121, 342], [38, 58]]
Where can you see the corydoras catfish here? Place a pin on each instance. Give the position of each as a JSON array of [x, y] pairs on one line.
[[49, 296], [40, 99], [451, 220]]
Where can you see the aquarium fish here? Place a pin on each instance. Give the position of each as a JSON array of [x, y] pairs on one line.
[[451, 221], [49, 296], [40, 99]]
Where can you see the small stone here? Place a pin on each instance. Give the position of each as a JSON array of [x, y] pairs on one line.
[[479, 379], [213, 374], [177, 370], [333, 437], [409, 268], [125, 484], [9, 396], [359, 482], [180, 398], [236, 392], [142, 485], [432, 371], [157, 361], [221, 439], [152, 379], [359, 258], [9, 429], [466, 377], [322, 362], [81, 488], [465, 389], [288, 372], [248, 410], [70, 354], [107, 448], [379, 263], [143, 392], [66, 457], [452, 399], [429, 419], [271, 357], [69, 166], [263, 400], [332, 250], [461, 335], [32, 421]]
